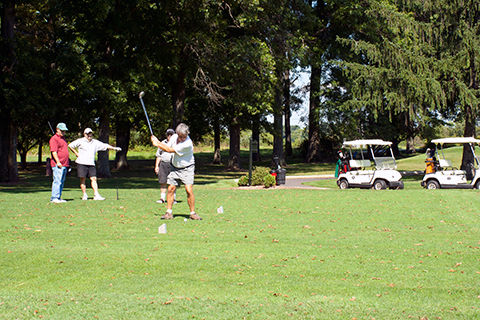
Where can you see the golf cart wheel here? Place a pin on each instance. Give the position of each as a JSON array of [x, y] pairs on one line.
[[379, 185], [343, 184], [477, 184], [432, 185]]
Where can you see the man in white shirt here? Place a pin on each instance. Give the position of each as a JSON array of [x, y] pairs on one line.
[[87, 147], [183, 168]]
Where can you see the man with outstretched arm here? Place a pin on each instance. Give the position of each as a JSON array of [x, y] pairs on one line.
[[87, 149], [183, 168]]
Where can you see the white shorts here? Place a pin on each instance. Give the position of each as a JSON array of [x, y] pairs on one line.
[[185, 175]]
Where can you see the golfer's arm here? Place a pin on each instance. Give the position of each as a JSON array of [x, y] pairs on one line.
[[73, 150], [157, 162], [55, 156], [164, 147]]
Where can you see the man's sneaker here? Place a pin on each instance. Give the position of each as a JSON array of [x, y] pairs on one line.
[[58, 201], [161, 201], [98, 197], [167, 216], [195, 217], [85, 197]]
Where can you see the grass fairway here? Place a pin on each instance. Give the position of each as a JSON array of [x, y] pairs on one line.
[[273, 254]]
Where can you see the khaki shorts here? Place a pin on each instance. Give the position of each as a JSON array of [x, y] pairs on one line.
[[185, 175]]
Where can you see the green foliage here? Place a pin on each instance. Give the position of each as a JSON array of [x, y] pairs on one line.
[[258, 174], [269, 181], [243, 181]]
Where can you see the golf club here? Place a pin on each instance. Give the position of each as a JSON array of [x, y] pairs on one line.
[[140, 96], [50, 127]]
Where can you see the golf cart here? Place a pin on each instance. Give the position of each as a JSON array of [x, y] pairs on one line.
[[445, 176], [361, 173]]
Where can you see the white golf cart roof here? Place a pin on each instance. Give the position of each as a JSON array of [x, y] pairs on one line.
[[456, 140], [366, 142]]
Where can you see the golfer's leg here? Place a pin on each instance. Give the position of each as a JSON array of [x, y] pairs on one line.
[[93, 180], [83, 186], [57, 179], [63, 171], [190, 197], [163, 191], [170, 194]]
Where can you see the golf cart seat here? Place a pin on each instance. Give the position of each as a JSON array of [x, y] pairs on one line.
[[360, 163], [444, 163]]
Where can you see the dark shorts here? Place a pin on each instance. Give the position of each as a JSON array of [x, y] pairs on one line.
[[84, 171], [163, 171]]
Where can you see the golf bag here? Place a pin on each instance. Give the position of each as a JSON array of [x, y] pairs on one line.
[[342, 165]]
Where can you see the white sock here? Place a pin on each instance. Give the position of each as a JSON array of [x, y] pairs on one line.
[[193, 212], [162, 195], [169, 210]]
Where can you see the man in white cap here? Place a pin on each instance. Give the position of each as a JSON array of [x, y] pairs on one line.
[[87, 148], [59, 162]]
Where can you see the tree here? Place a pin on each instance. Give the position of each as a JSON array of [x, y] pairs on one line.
[[456, 40], [392, 72], [8, 159]]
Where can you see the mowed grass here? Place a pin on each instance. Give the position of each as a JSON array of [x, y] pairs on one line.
[[272, 254]]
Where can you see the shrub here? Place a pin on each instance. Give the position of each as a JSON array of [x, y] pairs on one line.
[[269, 181], [258, 174], [243, 181]]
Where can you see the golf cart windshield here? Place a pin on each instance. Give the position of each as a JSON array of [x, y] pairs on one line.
[[472, 142], [377, 150]]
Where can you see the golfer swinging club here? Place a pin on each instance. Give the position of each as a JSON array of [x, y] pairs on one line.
[[183, 168], [87, 148]]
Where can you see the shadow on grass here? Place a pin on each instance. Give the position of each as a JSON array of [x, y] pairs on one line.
[[140, 175]]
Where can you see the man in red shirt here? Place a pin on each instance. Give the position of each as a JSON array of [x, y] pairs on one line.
[[59, 162]]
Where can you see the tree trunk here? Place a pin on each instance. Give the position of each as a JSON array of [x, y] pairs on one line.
[[8, 134], [288, 113], [178, 95], [23, 159], [217, 157], [395, 149], [278, 156], [410, 147], [470, 120], [8, 150], [103, 166], [123, 140], [313, 152], [234, 153], [256, 137], [469, 131], [39, 159]]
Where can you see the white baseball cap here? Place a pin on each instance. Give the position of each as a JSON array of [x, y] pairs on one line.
[[87, 131]]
